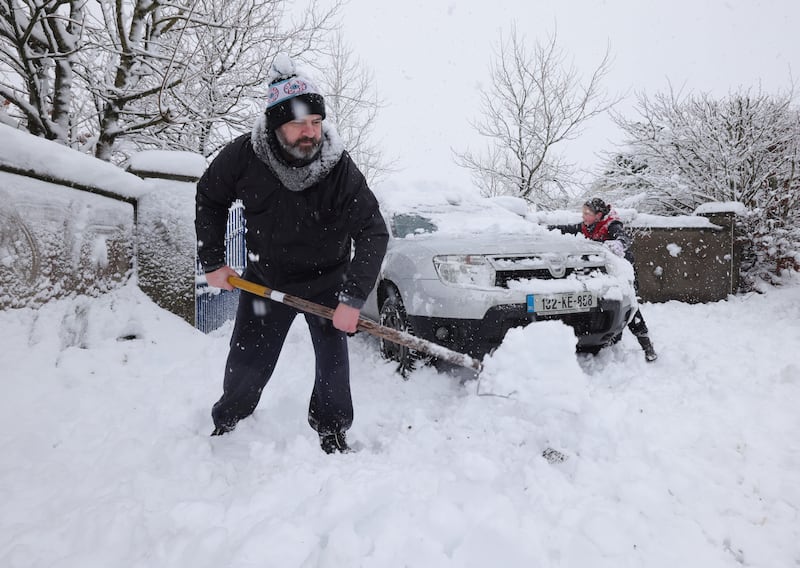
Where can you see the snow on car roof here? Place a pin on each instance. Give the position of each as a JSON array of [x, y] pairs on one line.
[[423, 210]]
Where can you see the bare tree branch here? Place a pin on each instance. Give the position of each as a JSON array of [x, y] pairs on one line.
[[536, 102], [186, 74], [352, 105]]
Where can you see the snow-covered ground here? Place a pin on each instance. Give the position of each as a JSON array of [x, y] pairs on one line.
[[691, 461]]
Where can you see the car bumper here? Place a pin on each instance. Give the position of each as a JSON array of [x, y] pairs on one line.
[[477, 337]]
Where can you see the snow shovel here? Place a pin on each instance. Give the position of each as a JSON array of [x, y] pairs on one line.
[[387, 333]]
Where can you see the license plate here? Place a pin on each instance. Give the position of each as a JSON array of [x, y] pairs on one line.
[[563, 303]]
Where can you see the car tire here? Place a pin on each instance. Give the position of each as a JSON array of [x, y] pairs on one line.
[[393, 315]]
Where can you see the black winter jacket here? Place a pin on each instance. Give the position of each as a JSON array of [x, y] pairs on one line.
[[298, 242]]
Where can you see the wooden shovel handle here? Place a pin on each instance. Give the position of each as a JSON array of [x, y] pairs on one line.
[[364, 324]]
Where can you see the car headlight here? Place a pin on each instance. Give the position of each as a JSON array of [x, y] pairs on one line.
[[465, 270]]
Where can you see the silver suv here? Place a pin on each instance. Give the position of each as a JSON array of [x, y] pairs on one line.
[[461, 271]]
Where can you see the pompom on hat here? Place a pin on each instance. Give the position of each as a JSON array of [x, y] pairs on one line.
[[291, 95]]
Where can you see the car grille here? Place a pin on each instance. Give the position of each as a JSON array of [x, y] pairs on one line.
[[503, 277], [545, 266]]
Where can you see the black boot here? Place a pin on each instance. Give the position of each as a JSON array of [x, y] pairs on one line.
[[650, 354], [222, 429], [334, 442]]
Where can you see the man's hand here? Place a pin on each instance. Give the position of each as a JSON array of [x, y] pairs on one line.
[[219, 278], [345, 318]]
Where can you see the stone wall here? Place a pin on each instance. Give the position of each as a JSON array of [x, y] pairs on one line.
[[689, 264]]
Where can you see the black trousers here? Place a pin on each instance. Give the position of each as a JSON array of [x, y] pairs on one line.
[[258, 336], [637, 326]]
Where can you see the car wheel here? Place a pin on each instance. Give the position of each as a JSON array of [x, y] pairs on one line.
[[393, 315]]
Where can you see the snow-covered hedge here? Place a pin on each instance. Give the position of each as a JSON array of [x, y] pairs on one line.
[[166, 245]]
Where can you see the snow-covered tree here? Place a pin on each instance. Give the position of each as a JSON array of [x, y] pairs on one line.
[[184, 74], [536, 100], [352, 103], [38, 48], [684, 151], [222, 62]]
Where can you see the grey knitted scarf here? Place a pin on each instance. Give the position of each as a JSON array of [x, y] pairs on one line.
[[300, 177]]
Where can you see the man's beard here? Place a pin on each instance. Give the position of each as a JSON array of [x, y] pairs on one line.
[[298, 152]]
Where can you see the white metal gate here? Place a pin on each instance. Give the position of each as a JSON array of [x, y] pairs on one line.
[[212, 307]]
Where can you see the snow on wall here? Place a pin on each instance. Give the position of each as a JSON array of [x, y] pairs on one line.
[[674, 249], [23, 151], [721, 207], [165, 163], [55, 241], [630, 218]]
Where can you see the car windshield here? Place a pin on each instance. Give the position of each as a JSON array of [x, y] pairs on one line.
[[453, 221], [405, 224]]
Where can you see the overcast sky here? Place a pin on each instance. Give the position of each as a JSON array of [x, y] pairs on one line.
[[430, 57]]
